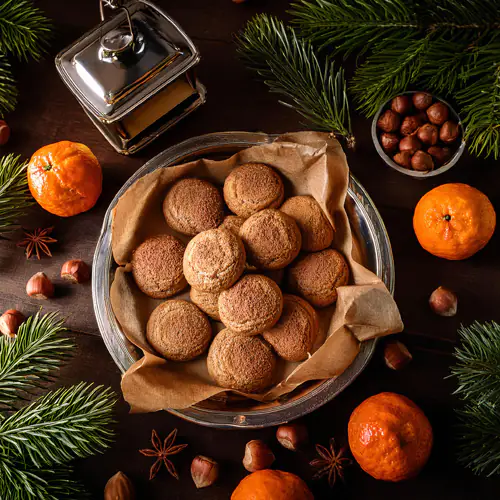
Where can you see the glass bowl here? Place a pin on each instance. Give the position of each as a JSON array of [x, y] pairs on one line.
[[374, 251], [414, 173]]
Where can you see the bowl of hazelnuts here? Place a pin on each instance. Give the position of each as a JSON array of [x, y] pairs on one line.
[[418, 134]]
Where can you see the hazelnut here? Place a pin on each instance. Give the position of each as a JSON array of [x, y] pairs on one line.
[[422, 100], [10, 321], [403, 158], [396, 355], [257, 456], [292, 436], [401, 104], [443, 302], [410, 143], [389, 141], [422, 161], [4, 133], [449, 132], [389, 121], [440, 155], [437, 113], [40, 287], [428, 134], [204, 471], [75, 271], [409, 125], [119, 487]]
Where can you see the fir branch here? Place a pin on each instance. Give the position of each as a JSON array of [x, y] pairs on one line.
[[346, 25], [24, 30], [8, 90], [20, 483], [60, 426], [28, 361], [479, 437], [290, 67], [478, 362]]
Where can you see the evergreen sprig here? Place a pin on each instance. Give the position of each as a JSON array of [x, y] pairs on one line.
[[62, 425], [29, 361], [450, 47], [8, 90], [38, 441], [55, 483], [477, 370], [289, 66], [14, 194], [24, 29]]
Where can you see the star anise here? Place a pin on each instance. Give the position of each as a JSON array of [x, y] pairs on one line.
[[162, 452], [37, 241], [331, 463]]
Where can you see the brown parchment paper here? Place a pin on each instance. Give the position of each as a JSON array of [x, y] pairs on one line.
[[309, 163]]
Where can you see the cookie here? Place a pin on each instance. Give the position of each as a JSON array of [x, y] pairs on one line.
[[315, 228], [233, 223], [178, 330], [293, 336], [157, 266], [252, 305], [241, 363], [208, 302], [316, 276], [272, 239], [192, 206], [214, 260], [252, 187]]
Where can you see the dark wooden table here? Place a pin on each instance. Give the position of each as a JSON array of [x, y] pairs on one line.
[[47, 112]]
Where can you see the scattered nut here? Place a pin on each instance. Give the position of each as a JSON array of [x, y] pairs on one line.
[[40, 287], [389, 121], [4, 133], [10, 321], [257, 456], [410, 143], [401, 104], [422, 161], [428, 134], [75, 271], [204, 471], [409, 125], [389, 141], [443, 302], [437, 113], [292, 436], [119, 487], [449, 132], [403, 158], [396, 355], [422, 100]]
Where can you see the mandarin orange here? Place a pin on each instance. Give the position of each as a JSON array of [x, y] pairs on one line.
[[390, 437], [454, 221], [270, 484], [65, 178]]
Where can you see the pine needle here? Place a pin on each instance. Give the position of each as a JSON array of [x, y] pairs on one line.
[[19, 483], [290, 67], [14, 194], [8, 90], [478, 372], [24, 30], [60, 426], [29, 361]]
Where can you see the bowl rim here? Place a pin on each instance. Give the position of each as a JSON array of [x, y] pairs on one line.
[[120, 348], [413, 173]]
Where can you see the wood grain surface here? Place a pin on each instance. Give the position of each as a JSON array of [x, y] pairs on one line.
[[47, 112]]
